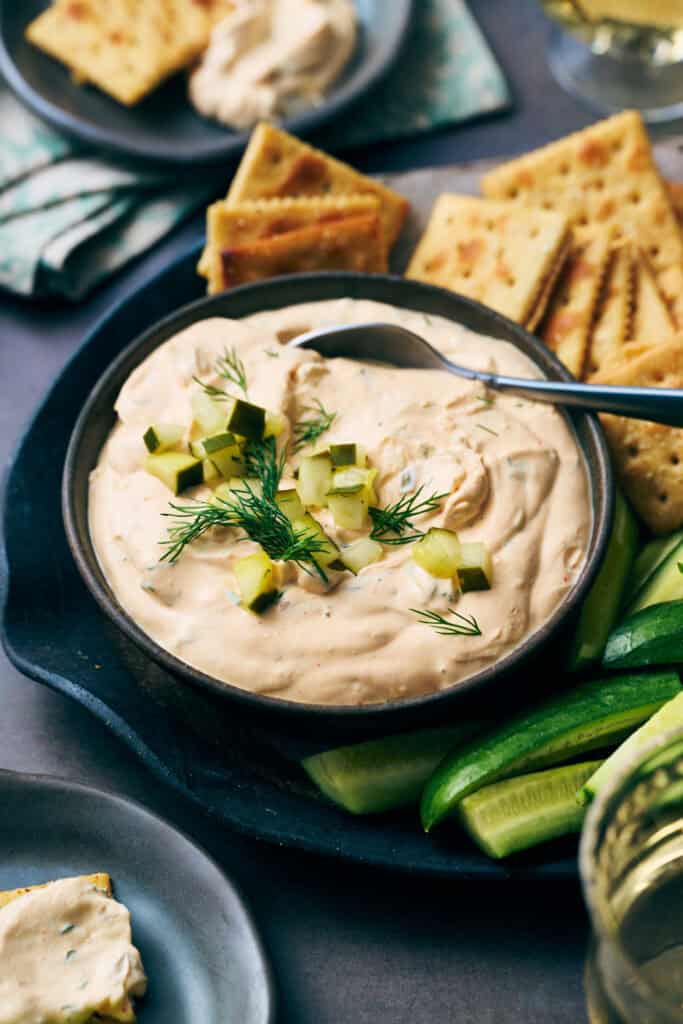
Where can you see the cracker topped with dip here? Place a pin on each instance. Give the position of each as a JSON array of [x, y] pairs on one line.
[[66, 954], [332, 531]]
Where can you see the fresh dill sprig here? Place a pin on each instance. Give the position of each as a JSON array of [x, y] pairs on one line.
[[258, 515], [390, 525], [465, 625], [231, 368], [308, 430]]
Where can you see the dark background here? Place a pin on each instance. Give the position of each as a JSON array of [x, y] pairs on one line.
[[347, 944]]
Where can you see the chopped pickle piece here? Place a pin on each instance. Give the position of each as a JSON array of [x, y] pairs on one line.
[[330, 556], [345, 481], [475, 570], [362, 552], [160, 437], [343, 454], [275, 424], [217, 442], [439, 553], [197, 449], [349, 508], [256, 581], [243, 483], [208, 415], [175, 469], [226, 455], [247, 420], [209, 471], [288, 501], [315, 480]]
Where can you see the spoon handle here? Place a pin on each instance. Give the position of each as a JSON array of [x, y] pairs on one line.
[[659, 405]]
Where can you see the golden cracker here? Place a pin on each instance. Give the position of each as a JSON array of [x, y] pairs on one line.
[[125, 47], [567, 323], [612, 323], [648, 456], [276, 165], [497, 253], [604, 175], [355, 243], [652, 321], [100, 880], [675, 190], [230, 225]]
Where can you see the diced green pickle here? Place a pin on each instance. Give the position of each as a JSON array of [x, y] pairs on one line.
[[330, 556], [209, 416], [289, 502], [255, 580], [217, 442], [475, 570], [343, 454], [315, 480], [160, 437], [275, 424], [362, 552], [349, 509], [438, 553], [247, 420], [175, 469]]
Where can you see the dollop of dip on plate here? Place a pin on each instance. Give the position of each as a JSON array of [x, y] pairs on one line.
[[65, 954], [273, 58], [511, 470]]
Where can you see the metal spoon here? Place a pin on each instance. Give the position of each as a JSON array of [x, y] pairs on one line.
[[391, 343]]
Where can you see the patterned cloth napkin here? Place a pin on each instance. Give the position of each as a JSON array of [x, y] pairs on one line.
[[69, 219]]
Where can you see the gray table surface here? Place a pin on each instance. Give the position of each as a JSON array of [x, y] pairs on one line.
[[347, 944]]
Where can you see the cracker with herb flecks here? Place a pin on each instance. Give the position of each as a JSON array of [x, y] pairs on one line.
[[126, 47], [568, 320], [276, 165], [649, 456], [236, 224], [355, 243], [604, 175], [498, 253], [100, 881]]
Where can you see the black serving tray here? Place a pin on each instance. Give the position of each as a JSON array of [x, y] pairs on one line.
[[54, 632]]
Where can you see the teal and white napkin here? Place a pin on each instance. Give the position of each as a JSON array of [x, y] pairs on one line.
[[70, 219]]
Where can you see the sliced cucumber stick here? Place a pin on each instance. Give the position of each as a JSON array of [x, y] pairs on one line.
[[653, 636], [665, 582], [670, 716], [649, 559], [589, 717], [378, 775], [601, 607], [513, 815]]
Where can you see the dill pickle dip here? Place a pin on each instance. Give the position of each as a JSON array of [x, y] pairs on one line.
[[509, 471]]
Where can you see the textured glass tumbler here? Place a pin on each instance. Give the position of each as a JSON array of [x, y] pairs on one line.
[[632, 872], [619, 54]]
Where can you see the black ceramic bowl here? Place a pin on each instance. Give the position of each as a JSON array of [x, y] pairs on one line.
[[526, 662]]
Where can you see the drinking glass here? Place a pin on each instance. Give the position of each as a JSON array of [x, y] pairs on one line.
[[619, 54], [631, 861]]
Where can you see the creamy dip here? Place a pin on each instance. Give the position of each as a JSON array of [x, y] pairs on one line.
[[65, 954], [511, 468], [273, 58]]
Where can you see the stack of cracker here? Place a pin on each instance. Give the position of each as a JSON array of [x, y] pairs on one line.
[[582, 242], [126, 47], [292, 208]]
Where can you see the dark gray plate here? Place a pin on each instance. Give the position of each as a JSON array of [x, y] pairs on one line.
[[198, 943], [165, 127]]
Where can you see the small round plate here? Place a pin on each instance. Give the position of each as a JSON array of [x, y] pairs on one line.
[[198, 943], [164, 127]]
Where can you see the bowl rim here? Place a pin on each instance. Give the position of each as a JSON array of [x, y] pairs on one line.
[[599, 475]]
